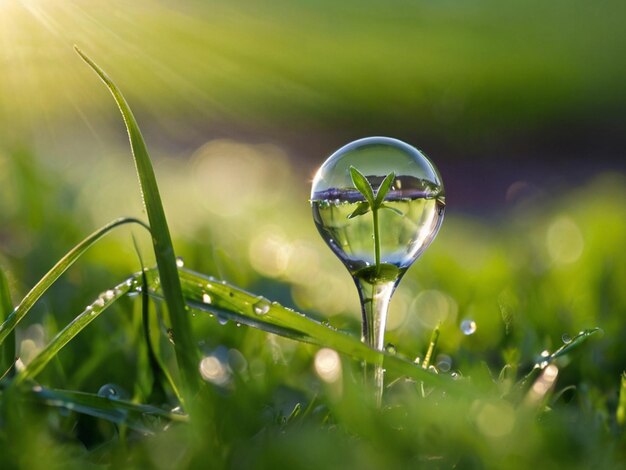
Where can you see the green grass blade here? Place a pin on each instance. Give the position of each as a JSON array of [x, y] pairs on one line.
[[7, 348], [205, 293], [620, 414], [51, 276], [91, 312], [186, 353], [143, 418]]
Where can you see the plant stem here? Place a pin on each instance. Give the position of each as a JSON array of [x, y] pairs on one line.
[[376, 240]]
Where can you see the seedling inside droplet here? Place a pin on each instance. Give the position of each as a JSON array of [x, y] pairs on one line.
[[372, 202]]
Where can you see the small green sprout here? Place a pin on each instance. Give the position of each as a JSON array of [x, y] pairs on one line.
[[372, 202]]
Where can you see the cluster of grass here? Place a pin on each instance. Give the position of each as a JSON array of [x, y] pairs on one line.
[[180, 370]]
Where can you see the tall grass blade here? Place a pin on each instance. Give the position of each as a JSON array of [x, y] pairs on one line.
[[91, 312], [51, 276], [143, 418], [7, 348], [229, 302], [186, 353]]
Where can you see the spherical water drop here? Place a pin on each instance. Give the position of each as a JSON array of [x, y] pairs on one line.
[[262, 306], [180, 262], [566, 338], [112, 391], [390, 348], [206, 298], [444, 363], [468, 327], [409, 210]]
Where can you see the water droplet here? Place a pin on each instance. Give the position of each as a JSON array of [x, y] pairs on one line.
[[206, 298], [346, 193], [456, 375], [222, 320], [566, 338], [390, 348], [378, 204], [112, 391], [444, 362], [468, 327], [262, 306], [180, 262]]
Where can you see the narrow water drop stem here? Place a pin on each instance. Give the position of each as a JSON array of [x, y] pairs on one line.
[[375, 295]]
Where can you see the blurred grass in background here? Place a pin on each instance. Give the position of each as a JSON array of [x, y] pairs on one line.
[[240, 102]]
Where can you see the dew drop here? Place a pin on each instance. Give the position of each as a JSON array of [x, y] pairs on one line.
[[180, 262], [468, 327], [566, 338], [262, 306], [444, 363], [222, 320], [206, 298], [390, 348], [111, 391]]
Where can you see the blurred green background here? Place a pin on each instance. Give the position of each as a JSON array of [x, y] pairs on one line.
[[520, 105]]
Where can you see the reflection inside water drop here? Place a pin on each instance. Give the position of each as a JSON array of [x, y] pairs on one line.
[[262, 306], [468, 327]]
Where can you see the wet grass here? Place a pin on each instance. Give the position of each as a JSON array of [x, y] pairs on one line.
[[251, 383]]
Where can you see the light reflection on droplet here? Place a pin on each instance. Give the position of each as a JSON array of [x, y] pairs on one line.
[[566, 338], [262, 306], [444, 362], [468, 327], [212, 370], [206, 298], [328, 365]]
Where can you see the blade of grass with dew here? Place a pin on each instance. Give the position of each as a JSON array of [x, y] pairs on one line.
[[143, 418], [7, 348], [207, 294], [186, 353], [160, 375], [91, 312], [51, 276]]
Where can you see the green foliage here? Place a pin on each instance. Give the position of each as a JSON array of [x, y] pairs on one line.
[[163, 249], [503, 404]]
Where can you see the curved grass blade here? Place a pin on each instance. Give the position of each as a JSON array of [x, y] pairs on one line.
[[186, 353], [51, 276], [91, 312], [573, 344], [7, 348], [160, 375], [143, 418], [226, 301]]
